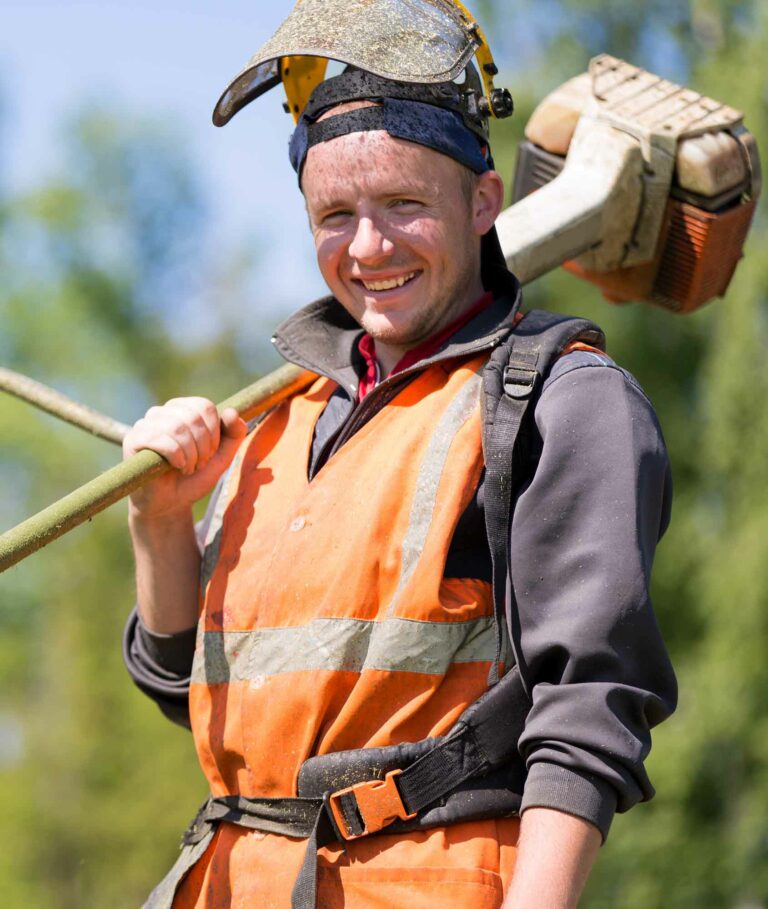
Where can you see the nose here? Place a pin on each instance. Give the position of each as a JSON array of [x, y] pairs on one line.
[[369, 244]]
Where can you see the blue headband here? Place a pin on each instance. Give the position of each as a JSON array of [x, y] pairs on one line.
[[415, 121]]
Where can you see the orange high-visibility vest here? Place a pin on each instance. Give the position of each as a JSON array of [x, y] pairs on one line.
[[327, 625]]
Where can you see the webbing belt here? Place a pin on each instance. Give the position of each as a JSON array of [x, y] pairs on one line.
[[473, 773], [295, 817], [288, 817]]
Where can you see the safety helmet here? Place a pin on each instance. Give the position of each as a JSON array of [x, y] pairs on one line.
[[422, 42]]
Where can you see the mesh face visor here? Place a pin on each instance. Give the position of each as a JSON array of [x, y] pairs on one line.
[[425, 41], [433, 116]]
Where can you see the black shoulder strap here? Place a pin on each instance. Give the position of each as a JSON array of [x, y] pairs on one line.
[[512, 381]]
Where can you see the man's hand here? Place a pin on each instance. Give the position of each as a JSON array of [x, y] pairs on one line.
[[555, 855], [189, 434]]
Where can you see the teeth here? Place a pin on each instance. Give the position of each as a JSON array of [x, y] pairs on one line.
[[388, 285]]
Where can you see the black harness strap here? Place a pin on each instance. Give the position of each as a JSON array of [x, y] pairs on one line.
[[472, 773], [288, 816], [358, 85], [512, 380], [483, 741]]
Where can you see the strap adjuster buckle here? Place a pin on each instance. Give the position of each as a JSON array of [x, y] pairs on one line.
[[519, 380], [378, 802]]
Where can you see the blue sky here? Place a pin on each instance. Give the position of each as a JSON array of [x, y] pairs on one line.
[[170, 59]]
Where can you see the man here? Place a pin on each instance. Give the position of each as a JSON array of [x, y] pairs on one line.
[[344, 588]]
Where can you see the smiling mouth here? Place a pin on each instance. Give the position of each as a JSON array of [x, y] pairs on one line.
[[389, 284]]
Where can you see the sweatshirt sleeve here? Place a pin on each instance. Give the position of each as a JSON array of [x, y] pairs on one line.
[[161, 664], [583, 538]]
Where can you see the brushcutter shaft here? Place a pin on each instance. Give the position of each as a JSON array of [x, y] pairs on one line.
[[613, 137], [593, 203], [121, 480]]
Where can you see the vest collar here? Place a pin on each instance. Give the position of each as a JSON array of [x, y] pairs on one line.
[[323, 337]]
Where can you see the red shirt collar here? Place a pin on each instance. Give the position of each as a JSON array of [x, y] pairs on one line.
[[367, 347]]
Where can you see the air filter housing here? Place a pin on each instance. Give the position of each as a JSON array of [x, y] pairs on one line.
[[711, 202]]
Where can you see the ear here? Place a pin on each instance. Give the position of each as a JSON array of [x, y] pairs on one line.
[[487, 201]]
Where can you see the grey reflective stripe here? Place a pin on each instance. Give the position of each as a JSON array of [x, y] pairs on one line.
[[454, 417], [212, 542], [162, 896], [342, 645]]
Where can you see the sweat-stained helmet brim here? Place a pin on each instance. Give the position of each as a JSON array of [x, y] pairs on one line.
[[420, 41]]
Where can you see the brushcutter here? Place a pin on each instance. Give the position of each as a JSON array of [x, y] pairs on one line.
[[640, 186]]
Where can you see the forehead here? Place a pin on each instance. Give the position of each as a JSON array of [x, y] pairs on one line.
[[375, 163]]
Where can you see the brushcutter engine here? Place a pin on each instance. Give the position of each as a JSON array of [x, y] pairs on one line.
[[681, 235]]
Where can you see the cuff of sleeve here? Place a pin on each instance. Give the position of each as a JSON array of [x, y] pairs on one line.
[[574, 792], [172, 652]]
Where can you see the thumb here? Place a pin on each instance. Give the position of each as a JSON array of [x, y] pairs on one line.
[[233, 431], [233, 425]]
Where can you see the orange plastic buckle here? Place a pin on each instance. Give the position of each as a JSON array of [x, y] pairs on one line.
[[378, 802]]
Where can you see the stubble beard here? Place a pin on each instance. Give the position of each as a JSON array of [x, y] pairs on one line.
[[448, 306]]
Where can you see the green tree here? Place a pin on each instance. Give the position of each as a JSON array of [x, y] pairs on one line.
[[96, 785], [703, 841]]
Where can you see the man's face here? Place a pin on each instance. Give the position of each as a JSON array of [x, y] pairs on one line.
[[396, 233]]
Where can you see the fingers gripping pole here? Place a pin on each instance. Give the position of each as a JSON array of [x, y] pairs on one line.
[[121, 480]]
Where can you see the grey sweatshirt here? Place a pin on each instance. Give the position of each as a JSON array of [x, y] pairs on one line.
[[583, 535]]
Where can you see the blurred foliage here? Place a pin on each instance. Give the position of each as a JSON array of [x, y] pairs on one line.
[[103, 273], [703, 841], [98, 268]]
